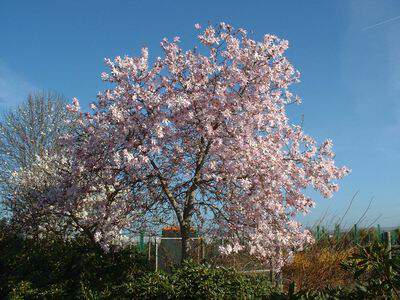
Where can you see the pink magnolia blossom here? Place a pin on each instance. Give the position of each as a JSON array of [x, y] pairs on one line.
[[203, 135]]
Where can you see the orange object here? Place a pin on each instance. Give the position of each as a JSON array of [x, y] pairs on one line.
[[175, 228]]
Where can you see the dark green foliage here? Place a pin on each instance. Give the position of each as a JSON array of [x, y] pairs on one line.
[[53, 268], [78, 269], [200, 281], [193, 281], [376, 269]]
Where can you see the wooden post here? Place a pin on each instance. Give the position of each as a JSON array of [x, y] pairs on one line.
[[203, 250], [156, 255], [199, 250], [388, 239], [149, 250], [379, 233]]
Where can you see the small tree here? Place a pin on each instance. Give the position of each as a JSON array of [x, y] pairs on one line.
[[206, 137], [29, 132]]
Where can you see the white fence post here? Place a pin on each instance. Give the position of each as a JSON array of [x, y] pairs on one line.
[[155, 239]]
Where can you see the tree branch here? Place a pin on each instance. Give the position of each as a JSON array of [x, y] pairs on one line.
[[168, 193]]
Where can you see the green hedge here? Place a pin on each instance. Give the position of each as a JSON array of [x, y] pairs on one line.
[[54, 269], [192, 281], [37, 269]]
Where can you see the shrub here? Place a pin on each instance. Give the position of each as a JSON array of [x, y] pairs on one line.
[[318, 267], [34, 268], [376, 269], [193, 281]]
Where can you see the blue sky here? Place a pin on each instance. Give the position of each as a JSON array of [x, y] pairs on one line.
[[347, 51]]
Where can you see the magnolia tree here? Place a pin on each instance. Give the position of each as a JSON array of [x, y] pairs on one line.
[[203, 135]]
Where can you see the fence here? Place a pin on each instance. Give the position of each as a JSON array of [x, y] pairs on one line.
[[164, 253], [356, 235]]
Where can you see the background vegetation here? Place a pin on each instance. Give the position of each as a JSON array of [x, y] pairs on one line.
[[50, 268]]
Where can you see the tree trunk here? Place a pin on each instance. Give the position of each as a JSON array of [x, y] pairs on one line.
[[185, 229]]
